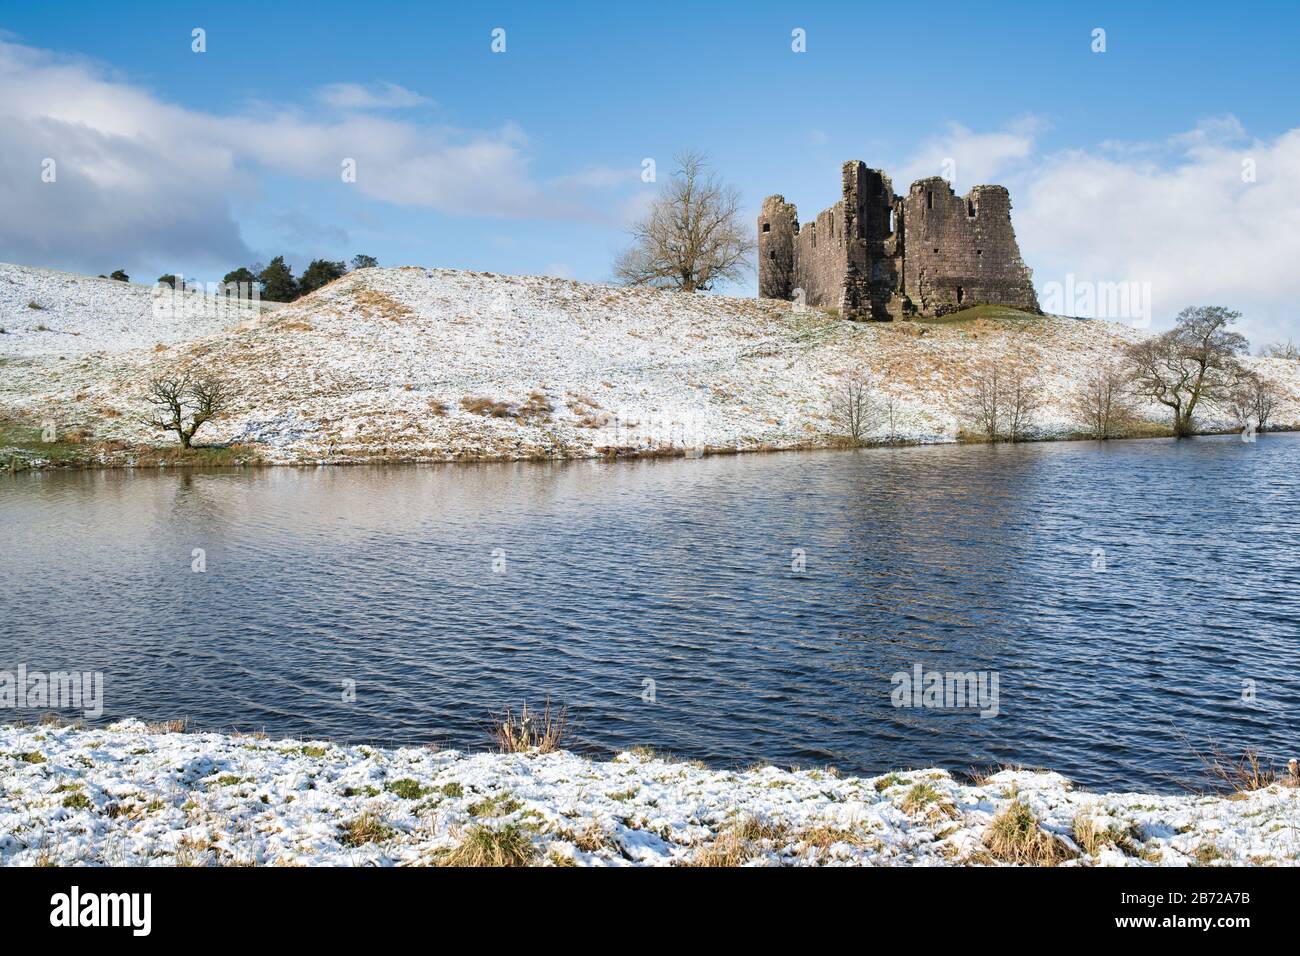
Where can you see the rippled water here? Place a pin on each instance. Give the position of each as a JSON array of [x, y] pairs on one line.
[[680, 572]]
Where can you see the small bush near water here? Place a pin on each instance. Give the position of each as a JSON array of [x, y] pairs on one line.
[[531, 731]]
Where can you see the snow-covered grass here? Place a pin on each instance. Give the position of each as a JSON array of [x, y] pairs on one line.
[[129, 795], [49, 313], [439, 365]]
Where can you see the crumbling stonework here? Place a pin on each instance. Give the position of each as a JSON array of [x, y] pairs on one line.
[[874, 255]]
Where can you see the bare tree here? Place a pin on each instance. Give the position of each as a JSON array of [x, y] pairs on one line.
[[891, 416], [1005, 399], [183, 404], [986, 406], [692, 236], [1283, 350], [1024, 396], [1194, 362], [1101, 402], [853, 408], [1252, 401]]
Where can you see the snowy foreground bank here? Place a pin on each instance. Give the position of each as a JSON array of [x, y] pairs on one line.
[[127, 795]]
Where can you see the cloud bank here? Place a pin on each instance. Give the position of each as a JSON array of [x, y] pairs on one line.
[[91, 165]]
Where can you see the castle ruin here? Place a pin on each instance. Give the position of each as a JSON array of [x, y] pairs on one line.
[[874, 255]]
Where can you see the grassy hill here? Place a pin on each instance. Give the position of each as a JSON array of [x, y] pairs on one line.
[[441, 365]]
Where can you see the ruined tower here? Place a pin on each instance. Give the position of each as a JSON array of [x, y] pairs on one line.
[[873, 255]]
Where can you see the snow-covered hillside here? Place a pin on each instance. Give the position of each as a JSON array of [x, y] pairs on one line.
[[131, 796], [49, 313], [421, 364]]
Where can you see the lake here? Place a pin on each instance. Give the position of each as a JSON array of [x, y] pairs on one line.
[[1135, 601]]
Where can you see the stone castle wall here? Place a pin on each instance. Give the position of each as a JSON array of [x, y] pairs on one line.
[[961, 250], [876, 256]]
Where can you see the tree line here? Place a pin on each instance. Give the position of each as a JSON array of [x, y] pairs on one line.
[[276, 282]]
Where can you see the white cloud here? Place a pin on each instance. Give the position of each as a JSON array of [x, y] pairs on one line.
[[1191, 227], [355, 96], [140, 176], [1174, 213], [969, 158]]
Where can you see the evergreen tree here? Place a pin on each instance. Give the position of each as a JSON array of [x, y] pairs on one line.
[[168, 280], [120, 275], [365, 262], [278, 283], [242, 276], [321, 272]]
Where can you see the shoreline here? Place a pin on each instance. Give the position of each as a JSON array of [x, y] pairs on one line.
[[12, 468], [129, 794]]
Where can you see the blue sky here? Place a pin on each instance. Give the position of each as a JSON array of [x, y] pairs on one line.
[[529, 161]]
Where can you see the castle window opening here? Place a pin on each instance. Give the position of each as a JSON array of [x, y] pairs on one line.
[[929, 200], [961, 294], [767, 227], [970, 208]]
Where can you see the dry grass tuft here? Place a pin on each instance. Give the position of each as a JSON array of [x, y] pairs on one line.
[[1093, 837], [1242, 774], [367, 828], [591, 838], [478, 405], [825, 836], [532, 732], [1014, 836], [375, 304], [738, 843], [924, 798], [170, 726], [491, 846], [537, 408]]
